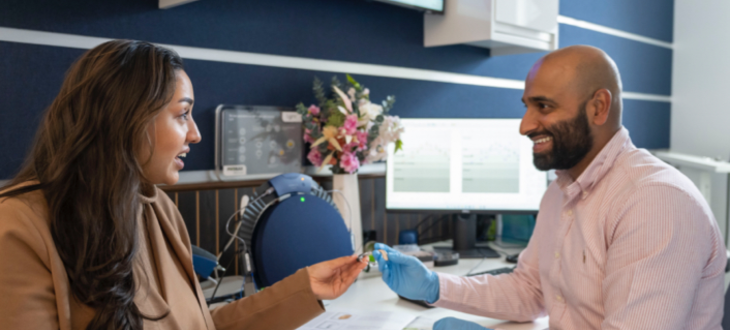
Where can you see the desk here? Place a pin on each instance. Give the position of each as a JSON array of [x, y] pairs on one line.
[[369, 292]]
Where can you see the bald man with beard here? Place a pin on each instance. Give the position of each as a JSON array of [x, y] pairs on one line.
[[622, 241]]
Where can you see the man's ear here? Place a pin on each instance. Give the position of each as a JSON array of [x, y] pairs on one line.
[[600, 107]]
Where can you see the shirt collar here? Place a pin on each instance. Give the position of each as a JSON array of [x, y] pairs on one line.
[[597, 169]]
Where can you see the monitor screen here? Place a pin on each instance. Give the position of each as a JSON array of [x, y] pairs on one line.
[[432, 5], [463, 164]]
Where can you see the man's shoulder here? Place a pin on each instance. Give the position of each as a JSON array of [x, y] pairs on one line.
[[638, 169]]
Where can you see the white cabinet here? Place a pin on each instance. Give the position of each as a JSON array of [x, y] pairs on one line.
[[504, 26]]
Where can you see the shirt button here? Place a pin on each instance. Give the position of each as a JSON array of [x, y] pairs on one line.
[[557, 255], [559, 298], [585, 194], [569, 212]]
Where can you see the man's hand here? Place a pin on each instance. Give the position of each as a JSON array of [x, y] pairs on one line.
[[330, 279], [452, 323], [406, 275]]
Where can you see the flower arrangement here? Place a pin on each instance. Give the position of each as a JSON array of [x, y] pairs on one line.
[[346, 130]]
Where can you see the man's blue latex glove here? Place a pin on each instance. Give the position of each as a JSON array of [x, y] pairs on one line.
[[452, 323], [406, 275]]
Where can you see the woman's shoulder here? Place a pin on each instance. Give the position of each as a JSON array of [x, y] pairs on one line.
[[24, 218], [31, 204], [169, 209]]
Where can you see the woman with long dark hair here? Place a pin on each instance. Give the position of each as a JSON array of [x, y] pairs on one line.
[[86, 239]]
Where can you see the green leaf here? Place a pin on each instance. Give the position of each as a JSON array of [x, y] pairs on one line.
[[388, 103], [336, 119], [336, 169], [319, 92], [374, 132], [352, 81], [398, 145], [301, 109], [323, 148], [336, 82]]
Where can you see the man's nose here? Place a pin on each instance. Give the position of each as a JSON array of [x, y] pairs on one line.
[[529, 122]]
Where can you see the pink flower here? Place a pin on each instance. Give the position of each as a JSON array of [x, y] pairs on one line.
[[315, 157], [362, 139], [308, 136], [314, 110], [349, 146], [349, 162], [350, 124]]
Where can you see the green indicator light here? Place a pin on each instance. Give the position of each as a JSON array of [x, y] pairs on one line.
[[302, 199]]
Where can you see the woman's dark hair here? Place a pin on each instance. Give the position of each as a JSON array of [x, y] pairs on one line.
[[84, 161]]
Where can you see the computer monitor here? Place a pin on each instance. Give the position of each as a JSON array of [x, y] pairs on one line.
[[464, 166]]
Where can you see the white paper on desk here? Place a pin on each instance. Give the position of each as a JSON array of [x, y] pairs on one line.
[[421, 323], [351, 319]]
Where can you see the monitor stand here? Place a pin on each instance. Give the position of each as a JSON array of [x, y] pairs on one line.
[[465, 237]]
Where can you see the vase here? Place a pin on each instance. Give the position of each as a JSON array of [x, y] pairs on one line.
[[349, 189]]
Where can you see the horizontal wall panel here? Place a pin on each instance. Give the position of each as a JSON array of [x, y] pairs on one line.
[[266, 86], [355, 30], [256, 85], [345, 30], [648, 123], [30, 77], [215, 83], [644, 68], [649, 18]]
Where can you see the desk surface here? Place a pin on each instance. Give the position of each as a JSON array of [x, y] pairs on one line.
[[371, 293]]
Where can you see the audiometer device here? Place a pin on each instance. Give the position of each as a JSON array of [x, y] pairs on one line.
[[291, 223], [257, 141]]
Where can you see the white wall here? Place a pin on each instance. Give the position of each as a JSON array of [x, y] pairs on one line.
[[701, 78], [700, 123]]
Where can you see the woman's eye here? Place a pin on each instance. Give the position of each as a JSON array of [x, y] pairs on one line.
[[185, 115]]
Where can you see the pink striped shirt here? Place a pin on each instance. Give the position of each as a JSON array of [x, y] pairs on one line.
[[630, 244]]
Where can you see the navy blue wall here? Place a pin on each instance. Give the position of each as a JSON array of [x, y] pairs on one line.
[[346, 30]]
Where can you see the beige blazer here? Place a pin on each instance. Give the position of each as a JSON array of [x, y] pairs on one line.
[[35, 292]]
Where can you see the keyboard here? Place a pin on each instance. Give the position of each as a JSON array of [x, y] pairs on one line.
[[505, 270]]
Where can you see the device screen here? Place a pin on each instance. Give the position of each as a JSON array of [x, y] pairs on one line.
[[463, 164]]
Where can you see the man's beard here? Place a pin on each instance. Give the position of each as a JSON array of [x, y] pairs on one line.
[[572, 140]]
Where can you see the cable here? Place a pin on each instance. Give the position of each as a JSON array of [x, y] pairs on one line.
[[349, 212], [422, 221], [349, 209], [242, 209], [234, 236], [240, 222], [429, 227], [475, 267], [212, 296]]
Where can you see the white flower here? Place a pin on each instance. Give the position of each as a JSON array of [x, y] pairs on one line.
[[377, 150], [390, 129], [368, 112], [389, 132]]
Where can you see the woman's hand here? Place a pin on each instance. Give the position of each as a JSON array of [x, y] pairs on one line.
[[330, 279]]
